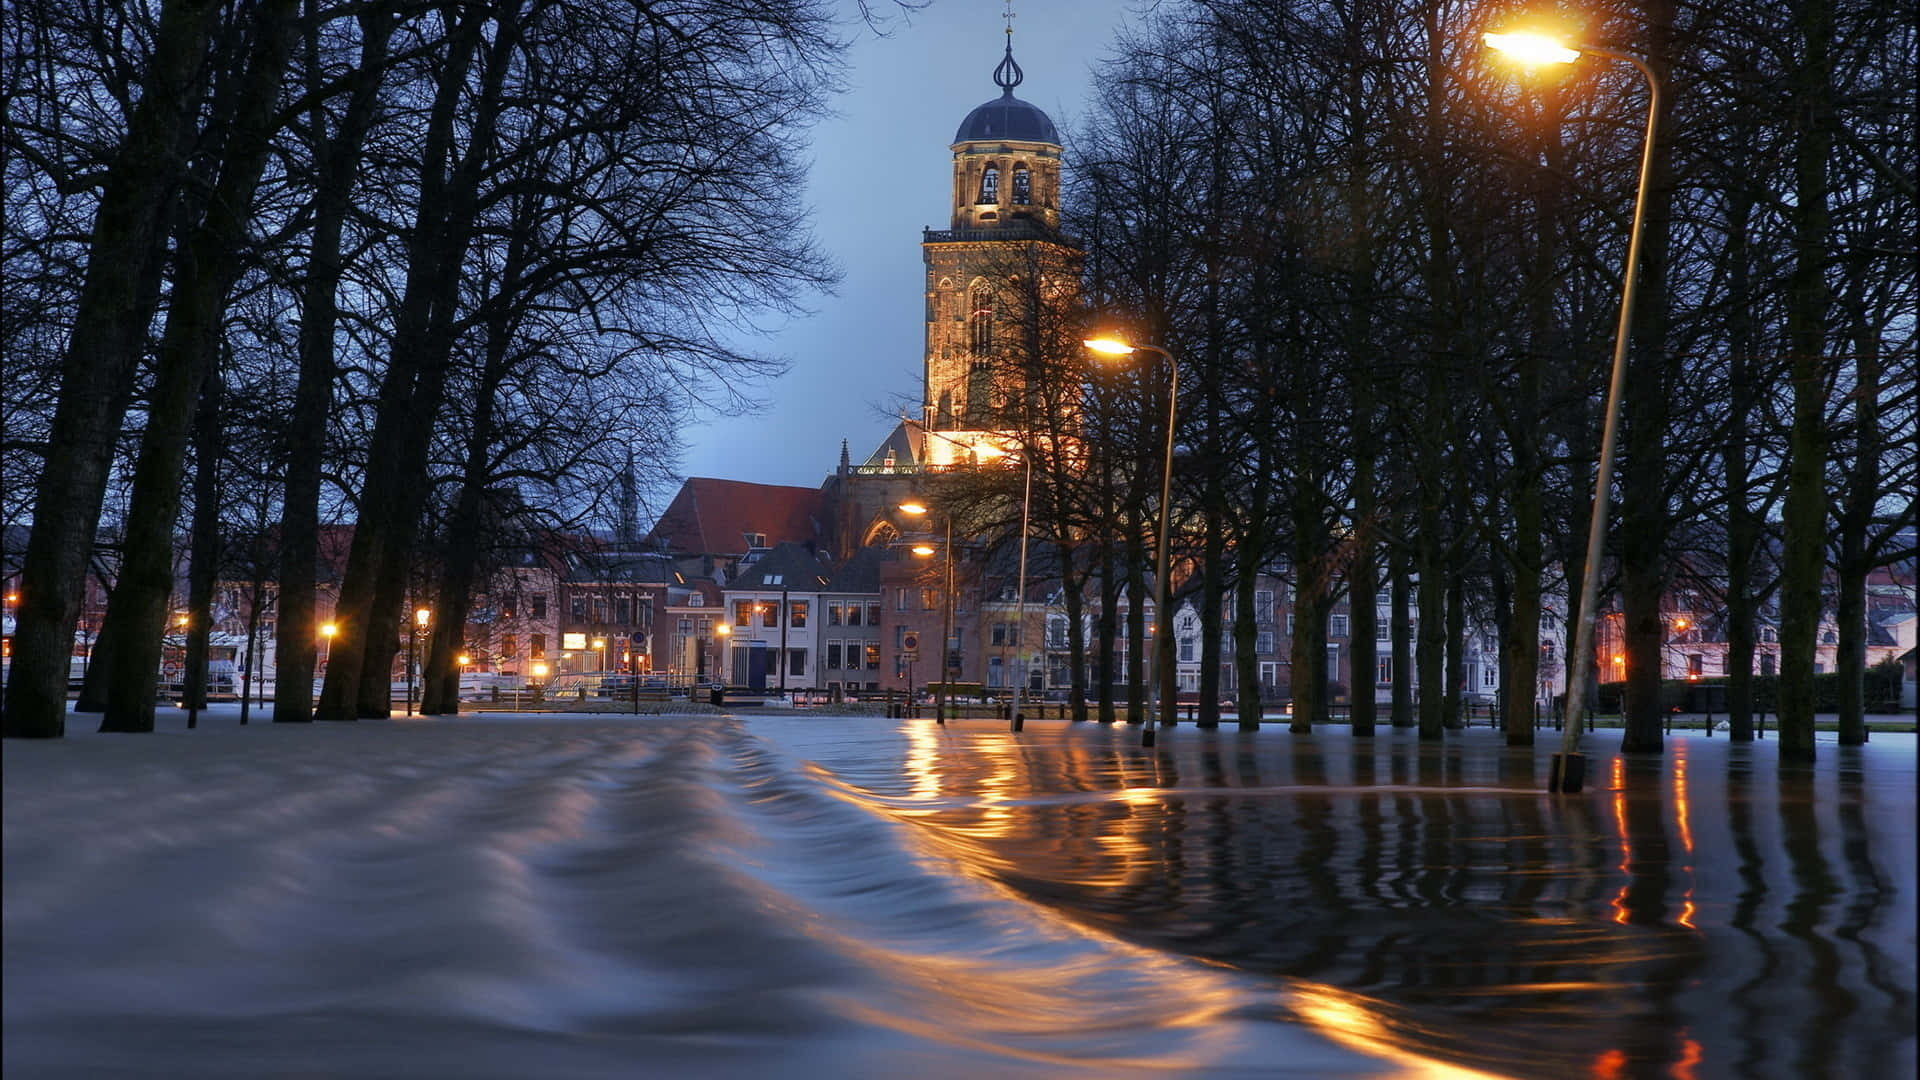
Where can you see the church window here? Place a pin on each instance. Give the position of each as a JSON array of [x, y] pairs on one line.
[[1022, 185], [990, 185], [981, 298]]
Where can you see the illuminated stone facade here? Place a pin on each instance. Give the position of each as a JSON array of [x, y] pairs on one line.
[[1002, 255]]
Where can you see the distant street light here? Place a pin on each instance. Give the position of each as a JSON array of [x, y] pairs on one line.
[[1569, 768], [1163, 613], [420, 618], [946, 619]]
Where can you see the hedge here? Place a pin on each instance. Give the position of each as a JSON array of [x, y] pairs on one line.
[[1882, 692]]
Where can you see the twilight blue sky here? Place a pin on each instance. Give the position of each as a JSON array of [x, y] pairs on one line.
[[881, 173]]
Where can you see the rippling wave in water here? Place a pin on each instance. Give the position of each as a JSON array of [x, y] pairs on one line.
[[824, 897]]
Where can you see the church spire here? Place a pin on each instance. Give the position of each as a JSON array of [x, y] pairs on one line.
[[1008, 74]]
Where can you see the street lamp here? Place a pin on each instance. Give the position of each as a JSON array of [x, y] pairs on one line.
[[420, 618], [1163, 615], [1569, 768], [327, 630], [1016, 722], [946, 619]]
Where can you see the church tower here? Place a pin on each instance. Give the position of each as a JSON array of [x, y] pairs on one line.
[[1005, 227]]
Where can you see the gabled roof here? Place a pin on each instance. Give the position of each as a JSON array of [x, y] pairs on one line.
[[904, 442], [859, 574], [787, 566], [622, 567], [713, 517]]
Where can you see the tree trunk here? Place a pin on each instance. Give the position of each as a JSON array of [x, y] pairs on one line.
[[1646, 520], [1106, 659], [1453, 716], [367, 611], [1246, 640], [1431, 648], [1743, 523], [207, 264], [306, 436], [1212, 602], [1402, 633], [1136, 626], [1803, 552], [204, 560], [123, 267], [1855, 519], [1074, 585]]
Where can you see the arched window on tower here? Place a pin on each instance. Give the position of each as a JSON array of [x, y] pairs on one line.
[[990, 184], [1022, 185], [980, 322]]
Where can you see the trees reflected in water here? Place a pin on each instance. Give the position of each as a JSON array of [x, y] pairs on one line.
[[1694, 912]]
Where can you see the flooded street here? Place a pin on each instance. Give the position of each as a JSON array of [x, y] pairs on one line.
[[837, 896]]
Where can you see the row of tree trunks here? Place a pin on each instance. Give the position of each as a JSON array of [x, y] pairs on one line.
[[127, 250]]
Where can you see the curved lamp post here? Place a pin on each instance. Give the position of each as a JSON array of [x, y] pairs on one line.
[[1163, 614], [1568, 773]]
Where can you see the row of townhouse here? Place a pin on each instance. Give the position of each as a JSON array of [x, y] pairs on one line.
[[741, 583]]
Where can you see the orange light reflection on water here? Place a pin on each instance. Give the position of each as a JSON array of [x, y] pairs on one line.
[[1619, 786], [1357, 1023], [1683, 814]]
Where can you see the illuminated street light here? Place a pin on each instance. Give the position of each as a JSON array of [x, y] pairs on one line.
[[1163, 615], [1568, 772], [421, 616], [1531, 48], [920, 509]]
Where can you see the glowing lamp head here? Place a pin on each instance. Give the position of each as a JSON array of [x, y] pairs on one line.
[[539, 671], [1108, 346], [463, 660], [724, 629], [914, 508], [923, 549], [1530, 48], [421, 616]]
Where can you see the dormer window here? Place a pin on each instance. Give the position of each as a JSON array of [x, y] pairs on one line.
[[1022, 185], [990, 185], [756, 540]]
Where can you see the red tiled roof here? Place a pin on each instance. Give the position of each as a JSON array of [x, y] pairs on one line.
[[712, 517]]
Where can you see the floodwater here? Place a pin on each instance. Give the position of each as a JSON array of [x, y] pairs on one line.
[[837, 896]]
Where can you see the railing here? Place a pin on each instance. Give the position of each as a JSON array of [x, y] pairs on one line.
[[1015, 229]]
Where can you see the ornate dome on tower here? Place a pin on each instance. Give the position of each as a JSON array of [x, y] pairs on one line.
[[1007, 117]]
